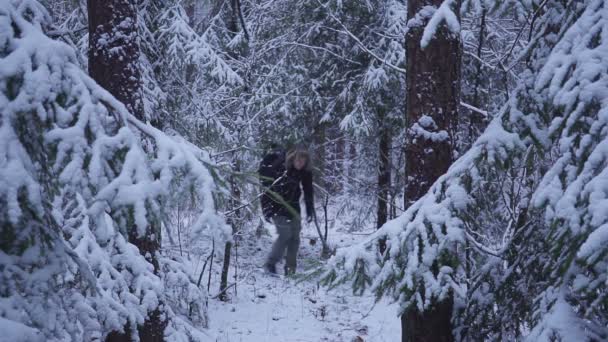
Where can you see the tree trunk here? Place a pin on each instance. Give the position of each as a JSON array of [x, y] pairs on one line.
[[225, 270], [114, 64], [339, 160], [432, 91], [235, 221], [433, 325], [384, 176], [432, 100], [114, 51], [320, 155]]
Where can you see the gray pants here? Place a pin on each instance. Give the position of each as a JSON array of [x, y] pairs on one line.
[[289, 238]]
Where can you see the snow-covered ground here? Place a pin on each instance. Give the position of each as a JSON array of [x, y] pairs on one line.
[[268, 308]]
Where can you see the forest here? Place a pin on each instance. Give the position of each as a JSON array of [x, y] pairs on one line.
[[430, 170]]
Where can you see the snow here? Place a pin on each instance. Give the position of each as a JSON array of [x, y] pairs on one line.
[[558, 115], [17, 332], [424, 128], [561, 321], [443, 13], [573, 76], [184, 45], [375, 78], [71, 272], [270, 308], [104, 172], [291, 312]]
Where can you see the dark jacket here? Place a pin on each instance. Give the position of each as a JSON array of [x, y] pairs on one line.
[[282, 187]]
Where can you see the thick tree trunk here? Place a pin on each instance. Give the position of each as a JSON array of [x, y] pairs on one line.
[[432, 100], [433, 325], [433, 92], [114, 51], [114, 64]]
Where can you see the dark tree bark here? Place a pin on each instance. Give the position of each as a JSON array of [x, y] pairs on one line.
[[433, 325], [319, 154], [225, 270], [479, 64], [340, 154], [114, 51], [235, 221], [432, 91], [114, 64], [384, 175]]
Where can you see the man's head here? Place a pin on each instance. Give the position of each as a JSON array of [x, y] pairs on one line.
[[298, 158], [299, 162]]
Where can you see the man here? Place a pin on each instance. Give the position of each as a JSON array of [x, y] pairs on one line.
[[281, 175]]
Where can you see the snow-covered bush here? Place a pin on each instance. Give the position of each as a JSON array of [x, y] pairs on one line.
[[79, 177], [516, 229]]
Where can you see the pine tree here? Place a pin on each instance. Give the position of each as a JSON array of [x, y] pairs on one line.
[[513, 229], [114, 64], [78, 177]]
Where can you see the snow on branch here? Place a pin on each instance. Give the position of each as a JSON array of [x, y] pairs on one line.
[[78, 173], [347, 32], [443, 13], [538, 175], [424, 236], [184, 45]]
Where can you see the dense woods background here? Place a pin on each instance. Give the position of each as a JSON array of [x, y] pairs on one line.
[[471, 133]]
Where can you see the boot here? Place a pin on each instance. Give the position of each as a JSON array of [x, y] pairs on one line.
[[289, 270], [270, 268]]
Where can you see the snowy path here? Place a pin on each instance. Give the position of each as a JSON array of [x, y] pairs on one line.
[[268, 308]]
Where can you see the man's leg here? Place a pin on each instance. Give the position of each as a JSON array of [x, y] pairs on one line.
[[279, 245], [293, 244]]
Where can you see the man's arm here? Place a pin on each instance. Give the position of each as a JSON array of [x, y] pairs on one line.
[[267, 175], [266, 170]]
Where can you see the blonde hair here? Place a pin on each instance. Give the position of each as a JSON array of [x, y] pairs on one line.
[[298, 152]]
